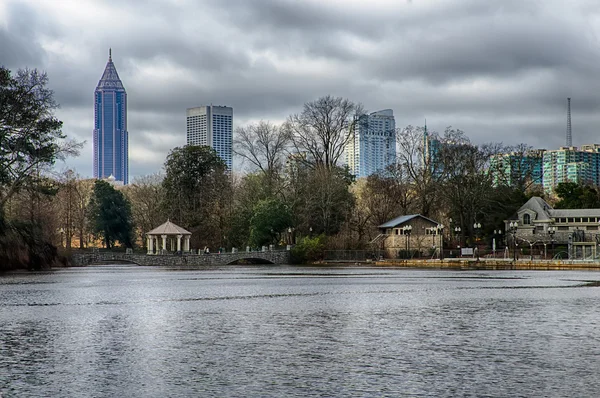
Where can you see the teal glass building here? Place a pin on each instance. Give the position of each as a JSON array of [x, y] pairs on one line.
[[111, 141]]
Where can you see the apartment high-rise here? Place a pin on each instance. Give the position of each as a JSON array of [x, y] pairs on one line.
[[570, 164], [212, 126], [518, 169], [372, 144], [111, 140]]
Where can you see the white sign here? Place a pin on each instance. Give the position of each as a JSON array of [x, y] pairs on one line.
[[466, 251]]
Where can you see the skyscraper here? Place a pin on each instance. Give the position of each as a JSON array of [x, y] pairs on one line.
[[372, 144], [212, 126], [111, 141]]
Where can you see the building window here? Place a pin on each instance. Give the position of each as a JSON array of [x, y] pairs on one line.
[[526, 219]]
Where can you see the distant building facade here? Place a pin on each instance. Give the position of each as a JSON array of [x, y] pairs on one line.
[[212, 126], [372, 144], [515, 167], [111, 139], [571, 164]]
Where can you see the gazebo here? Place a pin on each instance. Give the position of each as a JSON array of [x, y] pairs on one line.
[[172, 232]]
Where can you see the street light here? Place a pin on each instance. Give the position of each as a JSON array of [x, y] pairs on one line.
[[407, 229], [497, 232], [551, 232], [437, 230], [457, 231], [513, 225], [477, 229]]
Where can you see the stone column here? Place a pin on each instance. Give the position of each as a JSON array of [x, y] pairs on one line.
[[164, 242], [179, 242], [149, 241], [186, 243]]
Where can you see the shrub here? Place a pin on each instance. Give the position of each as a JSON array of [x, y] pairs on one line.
[[309, 249]]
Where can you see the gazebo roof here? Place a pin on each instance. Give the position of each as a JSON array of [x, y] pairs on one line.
[[169, 228]]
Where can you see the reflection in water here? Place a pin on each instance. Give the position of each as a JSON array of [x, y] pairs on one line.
[[282, 331]]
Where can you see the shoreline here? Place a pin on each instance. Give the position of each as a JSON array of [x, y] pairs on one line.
[[494, 265]]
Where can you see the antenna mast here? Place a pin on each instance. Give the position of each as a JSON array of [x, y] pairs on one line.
[[569, 136]]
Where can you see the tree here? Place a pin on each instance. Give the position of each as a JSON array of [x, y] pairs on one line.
[[418, 162], [263, 145], [110, 215], [270, 218], [147, 197], [519, 166], [576, 196], [198, 193], [31, 138], [322, 129], [388, 195], [328, 202]]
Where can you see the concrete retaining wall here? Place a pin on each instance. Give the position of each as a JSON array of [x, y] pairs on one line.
[[494, 264]]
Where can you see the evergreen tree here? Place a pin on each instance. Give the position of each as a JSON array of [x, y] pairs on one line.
[[110, 215]]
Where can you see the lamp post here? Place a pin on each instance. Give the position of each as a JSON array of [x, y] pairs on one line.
[[407, 229], [62, 234], [440, 229], [551, 232], [497, 232], [513, 225], [437, 230], [477, 229], [457, 231]]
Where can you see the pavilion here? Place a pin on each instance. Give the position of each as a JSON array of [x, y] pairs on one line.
[[169, 233]]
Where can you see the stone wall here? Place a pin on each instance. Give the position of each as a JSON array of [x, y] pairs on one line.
[[83, 259]]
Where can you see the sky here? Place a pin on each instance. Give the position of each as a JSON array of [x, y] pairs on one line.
[[501, 71]]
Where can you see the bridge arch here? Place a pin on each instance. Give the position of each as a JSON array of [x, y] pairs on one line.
[[250, 260]]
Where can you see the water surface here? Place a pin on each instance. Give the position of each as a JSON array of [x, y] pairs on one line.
[[277, 331]]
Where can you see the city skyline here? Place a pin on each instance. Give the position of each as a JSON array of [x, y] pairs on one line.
[[499, 72]]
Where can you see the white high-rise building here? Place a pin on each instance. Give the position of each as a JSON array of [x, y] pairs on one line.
[[212, 126], [372, 144]]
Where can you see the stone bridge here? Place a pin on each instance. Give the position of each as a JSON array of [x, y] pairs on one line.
[[269, 257]]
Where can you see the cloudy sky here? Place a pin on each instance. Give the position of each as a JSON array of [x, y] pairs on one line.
[[499, 70]]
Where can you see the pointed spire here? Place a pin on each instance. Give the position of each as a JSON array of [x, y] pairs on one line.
[[425, 126], [110, 78]]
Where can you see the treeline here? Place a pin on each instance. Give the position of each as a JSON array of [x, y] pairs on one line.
[[294, 189]]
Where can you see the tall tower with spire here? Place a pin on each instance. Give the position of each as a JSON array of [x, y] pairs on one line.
[[111, 141]]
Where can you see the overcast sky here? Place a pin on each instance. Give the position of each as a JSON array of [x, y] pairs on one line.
[[499, 70]]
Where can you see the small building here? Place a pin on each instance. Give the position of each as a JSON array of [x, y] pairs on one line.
[[409, 233], [537, 222]]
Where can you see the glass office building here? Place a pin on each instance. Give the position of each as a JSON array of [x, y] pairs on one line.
[[372, 144], [212, 126], [111, 142]]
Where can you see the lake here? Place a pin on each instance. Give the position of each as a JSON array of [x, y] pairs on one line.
[[282, 331]]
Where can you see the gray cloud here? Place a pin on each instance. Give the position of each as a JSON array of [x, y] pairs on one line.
[[500, 71]]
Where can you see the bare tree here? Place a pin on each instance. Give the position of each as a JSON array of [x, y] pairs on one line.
[[518, 166], [388, 195], [262, 144], [418, 159], [323, 129], [146, 195]]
